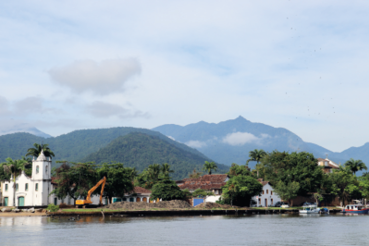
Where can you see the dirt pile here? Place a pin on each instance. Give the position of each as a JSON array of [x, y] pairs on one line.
[[174, 204], [210, 205]]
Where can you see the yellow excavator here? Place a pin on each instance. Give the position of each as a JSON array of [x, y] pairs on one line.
[[88, 198]]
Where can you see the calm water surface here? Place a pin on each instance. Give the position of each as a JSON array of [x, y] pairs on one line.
[[215, 230]]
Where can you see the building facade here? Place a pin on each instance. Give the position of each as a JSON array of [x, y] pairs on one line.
[[268, 197]]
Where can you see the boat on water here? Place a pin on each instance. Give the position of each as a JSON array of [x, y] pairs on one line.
[[310, 209], [355, 209]]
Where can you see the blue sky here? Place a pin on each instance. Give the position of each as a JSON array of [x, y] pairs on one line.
[[90, 64]]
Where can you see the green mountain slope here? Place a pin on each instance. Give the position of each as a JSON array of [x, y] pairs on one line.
[[139, 150], [76, 145]]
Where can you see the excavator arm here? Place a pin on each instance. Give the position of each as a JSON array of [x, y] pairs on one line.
[[88, 198]]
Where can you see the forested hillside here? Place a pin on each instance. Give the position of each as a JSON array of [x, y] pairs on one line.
[[139, 150], [76, 145]]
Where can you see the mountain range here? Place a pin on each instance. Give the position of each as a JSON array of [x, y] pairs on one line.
[[94, 144], [230, 141], [226, 142]]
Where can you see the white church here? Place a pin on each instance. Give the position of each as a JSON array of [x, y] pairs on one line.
[[34, 190]]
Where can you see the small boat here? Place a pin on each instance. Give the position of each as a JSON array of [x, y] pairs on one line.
[[355, 209], [309, 209]]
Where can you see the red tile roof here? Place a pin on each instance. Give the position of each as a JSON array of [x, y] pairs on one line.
[[206, 182], [141, 190]]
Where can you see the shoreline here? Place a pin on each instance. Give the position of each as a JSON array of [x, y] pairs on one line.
[[22, 214]]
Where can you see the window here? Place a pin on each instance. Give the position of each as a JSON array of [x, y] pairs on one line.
[[271, 192], [259, 201], [6, 187], [263, 192], [17, 187], [36, 187], [267, 191], [26, 188], [37, 169], [46, 169]]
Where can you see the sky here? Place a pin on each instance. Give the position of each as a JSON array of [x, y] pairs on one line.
[[300, 65]]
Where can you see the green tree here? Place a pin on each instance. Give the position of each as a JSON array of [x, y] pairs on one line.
[[74, 180], [355, 165], [364, 185], [298, 167], [118, 179], [149, 176], [256, 155], [38, 148], [167, 190], [344, 184], [287, 191], [240, 189], [236, 170], [208, 166], [14, 167], [165, 170]]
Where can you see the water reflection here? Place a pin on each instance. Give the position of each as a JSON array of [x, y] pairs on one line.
[[281, 229]]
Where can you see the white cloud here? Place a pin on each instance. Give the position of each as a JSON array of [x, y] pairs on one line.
[[105, 77], [171, 138], [195, 144], [240, 138]]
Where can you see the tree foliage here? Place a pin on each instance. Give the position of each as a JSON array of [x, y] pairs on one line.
[[355, 165], [240, 189], [209, 166], [287, 191], [38, 148], [167, 190], [344, 184], [287, 168], [118, 179]]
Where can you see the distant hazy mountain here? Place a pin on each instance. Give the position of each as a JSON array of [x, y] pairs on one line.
[[31, 130], [230, 141], [140, 150]]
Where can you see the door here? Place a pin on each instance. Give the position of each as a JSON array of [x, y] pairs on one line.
[[5, 201], [21, 201], [55, 201], [266, 202]]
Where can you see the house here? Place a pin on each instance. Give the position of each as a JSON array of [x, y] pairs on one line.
[[327, 165], [267, 197], [139, 194], [208, 182]]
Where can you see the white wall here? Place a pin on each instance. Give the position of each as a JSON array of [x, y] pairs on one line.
[[269, 198]]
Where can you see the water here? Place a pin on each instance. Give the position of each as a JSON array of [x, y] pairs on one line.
[[207, 230]]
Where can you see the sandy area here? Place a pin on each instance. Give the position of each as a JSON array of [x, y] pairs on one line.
[[21, 214]]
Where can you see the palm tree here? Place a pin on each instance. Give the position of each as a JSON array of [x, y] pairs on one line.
[[14, 167], [256, 155], [355, 165], [165, 169], [208, 166], [38, 148]]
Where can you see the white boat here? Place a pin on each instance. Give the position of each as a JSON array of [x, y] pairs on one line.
[[309, 209]]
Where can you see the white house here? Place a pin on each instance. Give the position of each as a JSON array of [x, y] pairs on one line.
[[267, 197]]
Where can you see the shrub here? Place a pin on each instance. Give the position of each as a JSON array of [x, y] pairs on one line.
[[53, 208]]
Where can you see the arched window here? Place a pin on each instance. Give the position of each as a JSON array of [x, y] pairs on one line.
[[26, 188], [36, 187], [271, 192], [37, 169], [267, 192], [46, 169], [17, 187], [263, 192]]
